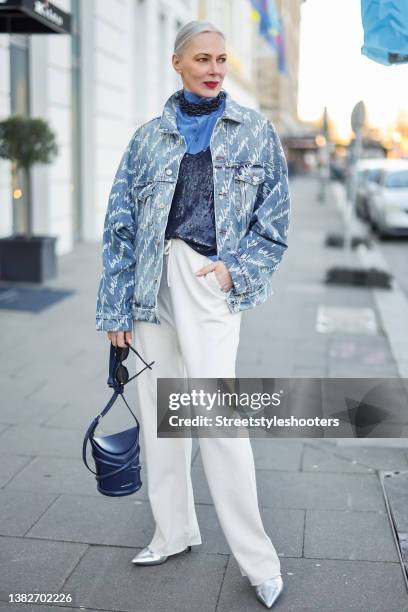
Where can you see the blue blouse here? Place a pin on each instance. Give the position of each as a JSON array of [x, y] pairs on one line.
[[197, 129]]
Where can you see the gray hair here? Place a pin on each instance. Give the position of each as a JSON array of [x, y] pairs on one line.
[[191, 29]]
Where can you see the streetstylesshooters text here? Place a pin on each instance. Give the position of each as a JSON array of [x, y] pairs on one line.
[[254, 401]]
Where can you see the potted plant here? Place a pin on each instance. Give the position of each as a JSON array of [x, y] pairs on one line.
[[26, 141]]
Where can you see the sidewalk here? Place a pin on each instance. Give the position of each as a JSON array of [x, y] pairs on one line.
[[321, 500]]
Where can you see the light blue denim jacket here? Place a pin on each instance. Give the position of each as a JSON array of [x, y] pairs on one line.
[[251, 201]]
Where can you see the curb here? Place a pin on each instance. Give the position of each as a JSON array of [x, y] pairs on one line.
[[392, 306]]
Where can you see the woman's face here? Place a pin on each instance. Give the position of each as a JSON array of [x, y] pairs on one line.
[[203, 64]]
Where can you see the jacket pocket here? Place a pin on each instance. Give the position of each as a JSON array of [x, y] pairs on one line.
[[144, 196], [247, 180]]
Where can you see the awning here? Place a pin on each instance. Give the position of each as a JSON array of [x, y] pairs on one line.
[[33, 17], [301, 142]]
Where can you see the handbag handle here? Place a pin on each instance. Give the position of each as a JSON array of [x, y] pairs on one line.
[[118, 390], [92, 428]]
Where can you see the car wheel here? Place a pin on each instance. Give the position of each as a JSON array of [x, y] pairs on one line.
[[382, 235]]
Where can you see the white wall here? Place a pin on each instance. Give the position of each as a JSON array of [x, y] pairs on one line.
[[111, 95], [39, 96], [133, 78], [60, 213], [60, 205]]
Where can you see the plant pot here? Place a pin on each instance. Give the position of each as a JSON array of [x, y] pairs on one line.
[[27, 259]]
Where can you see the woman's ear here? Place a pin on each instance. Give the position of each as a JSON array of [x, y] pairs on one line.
[[176, 63]]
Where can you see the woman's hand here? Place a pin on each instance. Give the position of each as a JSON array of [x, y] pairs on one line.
[[221, 272], [118, 338]]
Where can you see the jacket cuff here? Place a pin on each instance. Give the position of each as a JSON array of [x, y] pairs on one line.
[[114, 323], [238, 273]]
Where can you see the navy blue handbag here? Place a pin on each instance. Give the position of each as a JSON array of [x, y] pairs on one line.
[[116, 456]]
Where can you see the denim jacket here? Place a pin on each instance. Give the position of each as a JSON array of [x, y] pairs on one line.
[[251, 202]]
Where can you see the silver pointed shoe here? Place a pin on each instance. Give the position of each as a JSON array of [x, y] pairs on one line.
[[269, 591], [148, 557]]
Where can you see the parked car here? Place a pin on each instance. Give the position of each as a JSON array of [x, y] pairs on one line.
[[367, 175], [388, 202]]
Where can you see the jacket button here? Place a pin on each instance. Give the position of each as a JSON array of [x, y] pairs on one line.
[[169, 171]]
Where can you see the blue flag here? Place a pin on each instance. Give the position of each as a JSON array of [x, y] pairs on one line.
[[271, 28]]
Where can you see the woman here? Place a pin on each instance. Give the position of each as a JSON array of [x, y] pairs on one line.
[[196, 224]]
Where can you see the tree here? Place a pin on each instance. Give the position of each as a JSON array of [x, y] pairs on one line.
[[26, 141]]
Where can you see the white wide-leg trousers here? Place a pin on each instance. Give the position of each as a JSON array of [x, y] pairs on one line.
[[198, 338]]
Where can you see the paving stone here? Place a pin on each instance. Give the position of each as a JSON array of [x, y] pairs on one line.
[[349, 535], [34, 440], [318, 359], [81, 366], [74, 394], [279, 489], [200, 486], [36, 566], [285, 527], [10, 368], [76, 415], [23, 387], [17, 410], [323, 585], [371, 442], [287, 541], [396, 488], [327, 460], [105, 578], [315, 371], [373, 351], [103, 520], [81, 519], [273, 454], [21, 509], [60, 475], [388, 430], [73, 416], [319, 490], [267, 369], [361, 371], [10, 465], [377, 458]]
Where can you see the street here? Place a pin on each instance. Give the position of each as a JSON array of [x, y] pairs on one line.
[[395, 251], [320, 499]]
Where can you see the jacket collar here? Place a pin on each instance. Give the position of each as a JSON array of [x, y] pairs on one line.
[[168, 122]]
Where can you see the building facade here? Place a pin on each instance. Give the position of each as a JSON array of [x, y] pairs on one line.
[[95, 86], [233, 17], [277, 92]]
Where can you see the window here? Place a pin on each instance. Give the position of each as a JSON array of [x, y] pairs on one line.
[[19, 75], [76, 119], [397, 179], [20, 105]]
